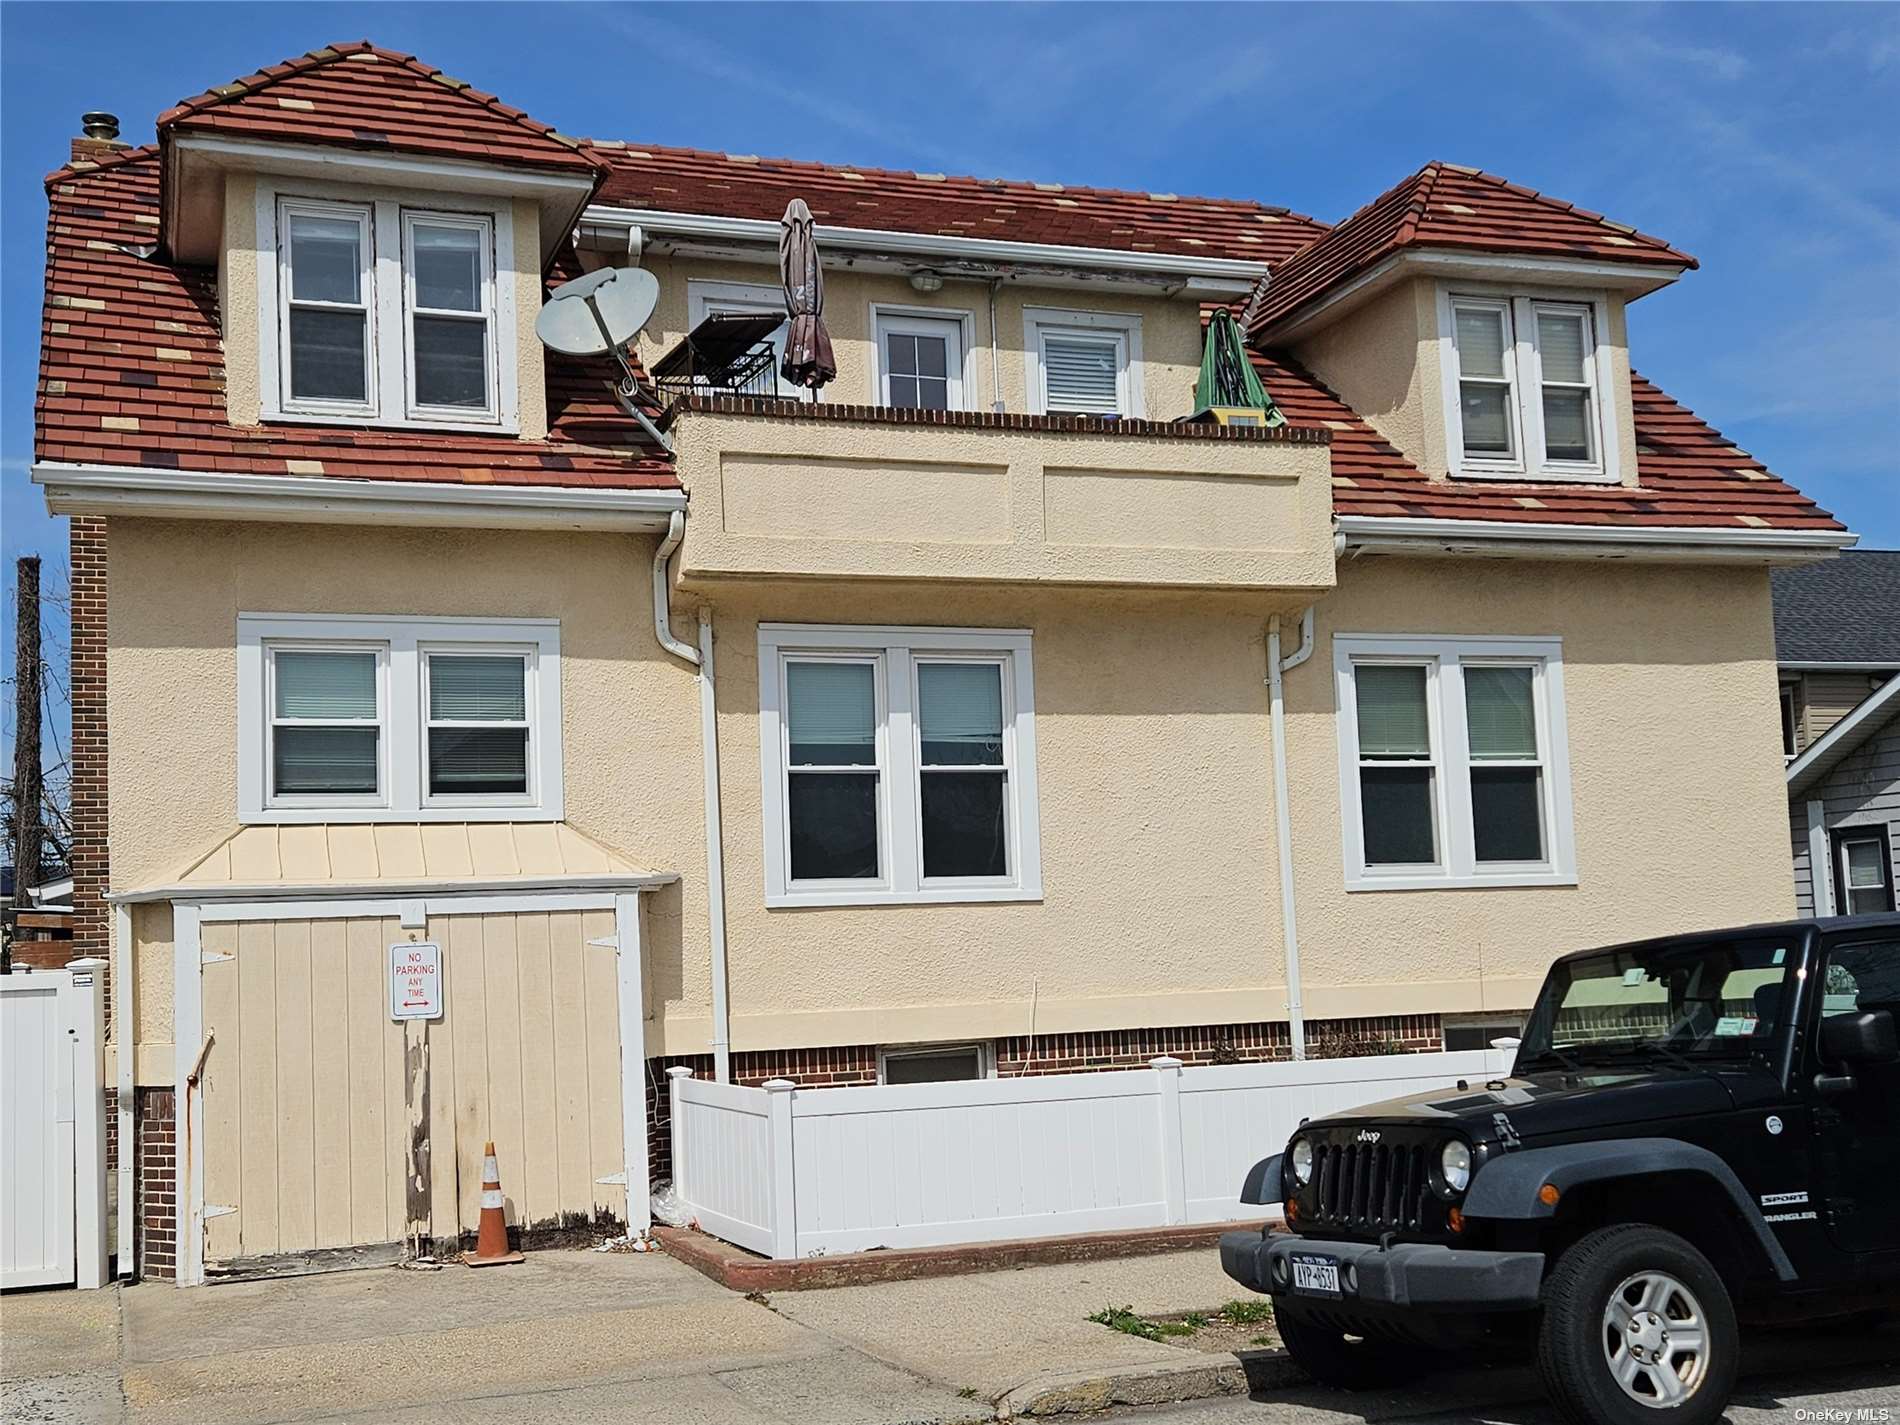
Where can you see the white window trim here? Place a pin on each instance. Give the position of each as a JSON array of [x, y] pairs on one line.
[[984, 1049], [1445, 657], [530, 654], [703, 296], [897, 651], [930, 321], [1522, 367], [363, 216], [389, 406], [403, 642], [485, 227], [271, 722], [1039, 320]]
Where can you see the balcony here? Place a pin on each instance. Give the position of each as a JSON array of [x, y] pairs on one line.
[[854, 492]]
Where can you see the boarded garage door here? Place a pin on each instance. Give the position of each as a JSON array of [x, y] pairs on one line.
[[304, 1121]]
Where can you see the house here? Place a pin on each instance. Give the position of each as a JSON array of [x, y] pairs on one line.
[[1837, 636], [980, 716]]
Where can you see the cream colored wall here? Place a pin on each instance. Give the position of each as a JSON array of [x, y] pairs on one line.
[[843, 499], [1382, 358], [630, 712], [242, 321], [1158, 854], [306, 1126], [1170, 329]]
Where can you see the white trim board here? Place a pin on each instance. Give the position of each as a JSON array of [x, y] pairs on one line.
[[1401, 534], [1866, 718], [326, 499]]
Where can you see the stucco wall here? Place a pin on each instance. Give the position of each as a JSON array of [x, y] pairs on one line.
[[1170, 328], [1158, 855]]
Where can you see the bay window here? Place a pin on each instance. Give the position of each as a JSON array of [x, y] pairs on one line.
[[1453, 764], [353, 718], [1524, 382], [898, 765]]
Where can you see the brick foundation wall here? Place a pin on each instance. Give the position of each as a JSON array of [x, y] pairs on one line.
[[156, 1170], [830, 1067], [92, 920]]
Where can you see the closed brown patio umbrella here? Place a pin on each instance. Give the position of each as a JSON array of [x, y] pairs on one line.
[[808, 360]]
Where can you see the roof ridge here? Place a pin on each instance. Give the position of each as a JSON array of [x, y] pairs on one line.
[[630, 151], [264, 78], [86, 167]]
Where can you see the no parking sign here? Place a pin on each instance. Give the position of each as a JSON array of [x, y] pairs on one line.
[[415, 980]]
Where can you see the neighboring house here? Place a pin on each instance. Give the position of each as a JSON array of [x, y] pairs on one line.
[[1837, 636], [988, 719]]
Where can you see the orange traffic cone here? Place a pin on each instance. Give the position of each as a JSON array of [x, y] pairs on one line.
[[491, 1245]]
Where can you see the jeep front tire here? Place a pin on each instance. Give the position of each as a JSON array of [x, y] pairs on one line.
[[1638, 1329]]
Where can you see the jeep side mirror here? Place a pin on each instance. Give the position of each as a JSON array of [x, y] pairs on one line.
[[1865, 1038]]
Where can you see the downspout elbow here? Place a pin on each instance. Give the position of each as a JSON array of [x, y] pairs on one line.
[[663, 593]]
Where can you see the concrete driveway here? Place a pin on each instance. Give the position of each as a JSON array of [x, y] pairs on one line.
[[565, 1336]]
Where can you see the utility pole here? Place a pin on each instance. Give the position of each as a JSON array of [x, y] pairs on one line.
[[27, 786]]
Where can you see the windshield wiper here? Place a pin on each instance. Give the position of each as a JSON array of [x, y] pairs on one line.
[[1635, 1047], [1568, 1062]]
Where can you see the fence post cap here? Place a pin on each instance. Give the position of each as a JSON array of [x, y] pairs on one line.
[[679, 1071], [1165, 1061], [778, 1086], [87, 962]]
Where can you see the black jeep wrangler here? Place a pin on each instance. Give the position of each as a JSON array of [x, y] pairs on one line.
[[1697, 1131]]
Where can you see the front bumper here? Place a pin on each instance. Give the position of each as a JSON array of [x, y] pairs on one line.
[[1405, 1274]]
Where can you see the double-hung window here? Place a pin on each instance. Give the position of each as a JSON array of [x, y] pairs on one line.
[[1083, 363], [1863, 870], [1453, 764], [919, 360], [898, 765], [385, 312], [353, 718], [1524, 382]]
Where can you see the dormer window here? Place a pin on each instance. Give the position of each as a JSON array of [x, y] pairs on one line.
[[385, 313], [1523, 382]]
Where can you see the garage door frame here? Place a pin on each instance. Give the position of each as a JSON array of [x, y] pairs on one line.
[[193, 1044]]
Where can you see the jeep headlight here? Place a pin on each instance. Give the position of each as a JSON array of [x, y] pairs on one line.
[[1454, 1165], [1301, 1161]]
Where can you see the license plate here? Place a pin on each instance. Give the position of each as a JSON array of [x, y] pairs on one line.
[[1316, 1276]]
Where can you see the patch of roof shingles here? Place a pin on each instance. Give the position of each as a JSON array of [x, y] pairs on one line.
[[692, 181], [132, 372], [1688, 474], [358, 95], [1445, 206]]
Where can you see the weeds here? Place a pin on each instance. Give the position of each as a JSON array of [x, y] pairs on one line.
[[1124, 1319], [1247, 1313]]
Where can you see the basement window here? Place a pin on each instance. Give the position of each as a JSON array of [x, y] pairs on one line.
[[348, 718], [936, 1064]]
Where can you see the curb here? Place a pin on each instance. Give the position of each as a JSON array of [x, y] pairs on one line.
[[1083, 1392]]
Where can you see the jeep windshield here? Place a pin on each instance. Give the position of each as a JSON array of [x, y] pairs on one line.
[[1684, 1004]]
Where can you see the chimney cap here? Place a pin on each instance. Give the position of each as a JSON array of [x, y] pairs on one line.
[[97, 124]]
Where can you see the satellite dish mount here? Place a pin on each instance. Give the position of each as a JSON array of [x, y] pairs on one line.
[[600, 315]]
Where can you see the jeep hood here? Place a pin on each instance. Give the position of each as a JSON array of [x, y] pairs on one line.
[[1544, 1104]]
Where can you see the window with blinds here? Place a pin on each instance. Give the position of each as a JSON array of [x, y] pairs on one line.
[[899, 764], [326, 723], [1525, 374], [1453, 770], [1083, 364], [477, 724]]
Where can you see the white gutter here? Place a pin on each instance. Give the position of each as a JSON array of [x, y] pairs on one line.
[[1283, 816], [702, 659], [1408, 535], [656, 224], [194, 494], [123, 1000]]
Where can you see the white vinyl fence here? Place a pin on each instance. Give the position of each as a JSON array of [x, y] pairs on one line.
[[791, 1172]]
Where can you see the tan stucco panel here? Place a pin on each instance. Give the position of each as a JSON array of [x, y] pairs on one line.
[[237, 300], [531, 387]]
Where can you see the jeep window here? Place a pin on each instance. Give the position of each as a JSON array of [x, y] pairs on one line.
[[1861, 977], [1715, 999]]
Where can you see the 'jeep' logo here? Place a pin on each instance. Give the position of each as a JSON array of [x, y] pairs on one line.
[[1367, 1135]]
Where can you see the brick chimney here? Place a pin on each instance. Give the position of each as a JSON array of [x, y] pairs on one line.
[[99, 136]]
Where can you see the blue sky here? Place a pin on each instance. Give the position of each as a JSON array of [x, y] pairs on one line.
[[1760, 138]]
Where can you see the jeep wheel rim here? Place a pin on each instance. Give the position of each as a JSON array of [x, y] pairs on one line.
[[1656, 1340]]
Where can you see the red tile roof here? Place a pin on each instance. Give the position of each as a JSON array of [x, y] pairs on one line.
[[1445, 206], [681, 180], [132, 371], [1688, 473], [361, 96]]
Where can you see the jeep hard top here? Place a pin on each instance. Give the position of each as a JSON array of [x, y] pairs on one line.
[[1695, 1129]]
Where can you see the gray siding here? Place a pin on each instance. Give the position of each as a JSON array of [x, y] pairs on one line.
[[1862, 790]]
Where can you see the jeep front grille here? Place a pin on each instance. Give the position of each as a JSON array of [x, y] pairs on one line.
[[1369, 1185]]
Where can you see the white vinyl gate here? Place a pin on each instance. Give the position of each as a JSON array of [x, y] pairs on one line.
[[52, 1128]]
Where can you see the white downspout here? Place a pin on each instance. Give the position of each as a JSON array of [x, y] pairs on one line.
[[702, 659], [1283, 816]]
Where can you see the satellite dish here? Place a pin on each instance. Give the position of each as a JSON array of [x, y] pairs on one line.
[[598, 313]]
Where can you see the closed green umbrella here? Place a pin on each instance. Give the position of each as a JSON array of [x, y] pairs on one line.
[[1227, 376]]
